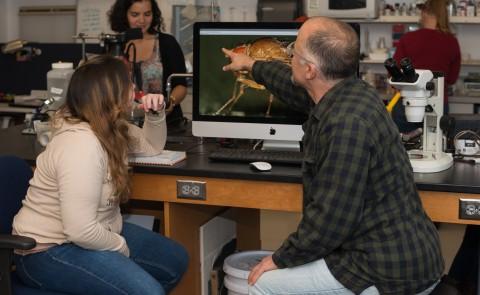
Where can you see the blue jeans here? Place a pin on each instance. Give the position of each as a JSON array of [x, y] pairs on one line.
[[309, 279], [154, 267]]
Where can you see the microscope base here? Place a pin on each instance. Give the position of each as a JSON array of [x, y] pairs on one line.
[[29, 131], [429, 162]]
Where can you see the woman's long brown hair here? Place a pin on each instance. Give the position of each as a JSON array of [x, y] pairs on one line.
[[438, 8], [99, 94]]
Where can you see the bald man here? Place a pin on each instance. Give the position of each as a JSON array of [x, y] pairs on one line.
[[363, 229]]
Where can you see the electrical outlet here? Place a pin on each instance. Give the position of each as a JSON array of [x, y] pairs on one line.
[[469, 209], [191, 189]]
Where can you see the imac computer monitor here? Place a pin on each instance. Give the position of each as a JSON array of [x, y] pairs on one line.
[[232, 105]]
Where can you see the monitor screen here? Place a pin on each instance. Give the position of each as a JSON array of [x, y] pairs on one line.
[[232, 105]]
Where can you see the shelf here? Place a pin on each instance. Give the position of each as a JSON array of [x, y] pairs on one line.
[[398, 19], [464, 99], [388, 19], [373, 62], [465, 20], [473, 62]]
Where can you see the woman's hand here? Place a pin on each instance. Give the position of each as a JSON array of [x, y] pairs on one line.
[[176, 97], [152, 101]]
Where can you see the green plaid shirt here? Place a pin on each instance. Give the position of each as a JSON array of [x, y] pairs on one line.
[[361, 209]]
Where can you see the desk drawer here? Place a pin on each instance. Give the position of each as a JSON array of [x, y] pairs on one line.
[[444, 206], [222, 192]]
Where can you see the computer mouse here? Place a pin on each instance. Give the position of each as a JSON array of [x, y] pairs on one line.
[[261, 166]]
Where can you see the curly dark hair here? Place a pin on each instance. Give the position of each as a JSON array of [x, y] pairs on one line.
[[117, 16]]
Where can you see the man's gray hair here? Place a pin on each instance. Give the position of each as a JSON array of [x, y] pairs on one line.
[[337, 50]]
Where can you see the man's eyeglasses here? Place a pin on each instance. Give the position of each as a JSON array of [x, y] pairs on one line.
[[292, 52]]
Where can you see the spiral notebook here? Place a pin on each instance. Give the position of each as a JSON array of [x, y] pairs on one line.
[[166, 158]]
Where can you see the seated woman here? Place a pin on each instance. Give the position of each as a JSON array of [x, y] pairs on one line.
[[72, 206]]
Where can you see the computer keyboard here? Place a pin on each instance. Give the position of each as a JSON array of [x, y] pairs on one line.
[[249, 155]]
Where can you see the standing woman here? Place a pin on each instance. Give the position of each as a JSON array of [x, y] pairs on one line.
[[432, 47], [72, 205], [156, 56]]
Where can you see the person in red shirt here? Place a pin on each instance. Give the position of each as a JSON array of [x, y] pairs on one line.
[[432, 47]]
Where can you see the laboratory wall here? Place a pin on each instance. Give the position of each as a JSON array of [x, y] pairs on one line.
[[11, 20]]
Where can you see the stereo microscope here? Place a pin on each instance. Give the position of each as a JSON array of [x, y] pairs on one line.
[[422, 92]]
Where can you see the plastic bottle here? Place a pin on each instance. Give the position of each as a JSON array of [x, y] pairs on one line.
[[57, 82], [470, 9], [452, 8]]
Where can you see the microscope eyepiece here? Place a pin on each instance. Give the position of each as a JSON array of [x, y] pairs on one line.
[[393, 70], [409, 73]]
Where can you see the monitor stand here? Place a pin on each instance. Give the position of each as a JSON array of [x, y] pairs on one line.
[[281, 145]]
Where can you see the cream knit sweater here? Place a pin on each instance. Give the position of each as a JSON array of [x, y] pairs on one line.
[[70, 198]]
